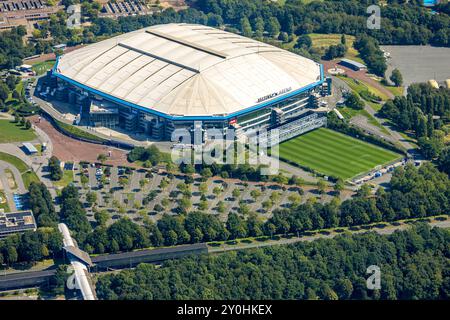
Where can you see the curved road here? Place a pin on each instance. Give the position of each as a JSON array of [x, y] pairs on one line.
[[5, 185]]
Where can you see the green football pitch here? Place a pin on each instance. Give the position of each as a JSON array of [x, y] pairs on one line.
[[335, 154]]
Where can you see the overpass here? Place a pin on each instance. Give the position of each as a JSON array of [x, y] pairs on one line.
[[79, 260]]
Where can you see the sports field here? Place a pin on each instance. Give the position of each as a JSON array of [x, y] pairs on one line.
[[335, 154]]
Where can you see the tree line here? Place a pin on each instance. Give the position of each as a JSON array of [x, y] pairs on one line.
[[413, 264]]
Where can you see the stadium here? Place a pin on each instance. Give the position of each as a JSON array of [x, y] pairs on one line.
[[157, 79]]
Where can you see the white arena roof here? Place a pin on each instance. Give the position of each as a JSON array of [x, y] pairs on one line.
[[187, 70]]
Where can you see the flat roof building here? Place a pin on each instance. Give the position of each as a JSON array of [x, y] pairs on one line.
[[352, 64], [30, 149], [16, 222]]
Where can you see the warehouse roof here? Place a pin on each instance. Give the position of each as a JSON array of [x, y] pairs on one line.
[[187, 69]]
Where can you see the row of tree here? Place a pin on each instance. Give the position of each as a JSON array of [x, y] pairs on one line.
[[41, 203], [413, 263]]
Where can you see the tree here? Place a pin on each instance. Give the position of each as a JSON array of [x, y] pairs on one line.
[[203, 188], [295, 199], [343, 40], [54, 168], [236, 193], [259, 27], [143, 183], [101, 217], [91, 198], [339, 186], [28, 125], [443, 161], [123, 181], [206, 173], [255, 194], [396, 77], [321, 186], [267, 204], [236, 226], [304, 41], [364, 191], [221, 207], [273, 27], [353, 101], [246, 28], [164, 183], [11, 255], [102, 157], [203, 205]]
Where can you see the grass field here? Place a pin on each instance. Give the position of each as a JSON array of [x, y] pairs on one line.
[[360, 86], [29, 177], [13, 132], [321, 42], [43, 67], [65, 180], [16, 162], [335, 154]]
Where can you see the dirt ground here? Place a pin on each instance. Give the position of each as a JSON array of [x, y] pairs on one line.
[[68, 149]]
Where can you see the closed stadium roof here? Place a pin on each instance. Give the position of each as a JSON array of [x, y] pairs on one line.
[[188, 70]]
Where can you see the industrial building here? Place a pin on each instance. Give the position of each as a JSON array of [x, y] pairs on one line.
[[164, 77]]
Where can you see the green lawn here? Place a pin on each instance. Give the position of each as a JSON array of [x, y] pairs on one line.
[[29, 177], [335, 154], [13, 132], [65, 180], [77, 132], [321, 42], [43, 67], [359, 87], [16, 162]]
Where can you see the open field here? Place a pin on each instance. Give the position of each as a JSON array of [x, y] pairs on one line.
[[335, 154], [322, 41], [13, 132]]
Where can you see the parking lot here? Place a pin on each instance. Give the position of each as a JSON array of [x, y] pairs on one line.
[[142, 194]]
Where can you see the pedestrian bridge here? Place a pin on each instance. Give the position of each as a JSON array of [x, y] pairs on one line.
[[79, 260]]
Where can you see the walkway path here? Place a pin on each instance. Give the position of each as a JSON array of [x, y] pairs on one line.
[[385, 231]]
